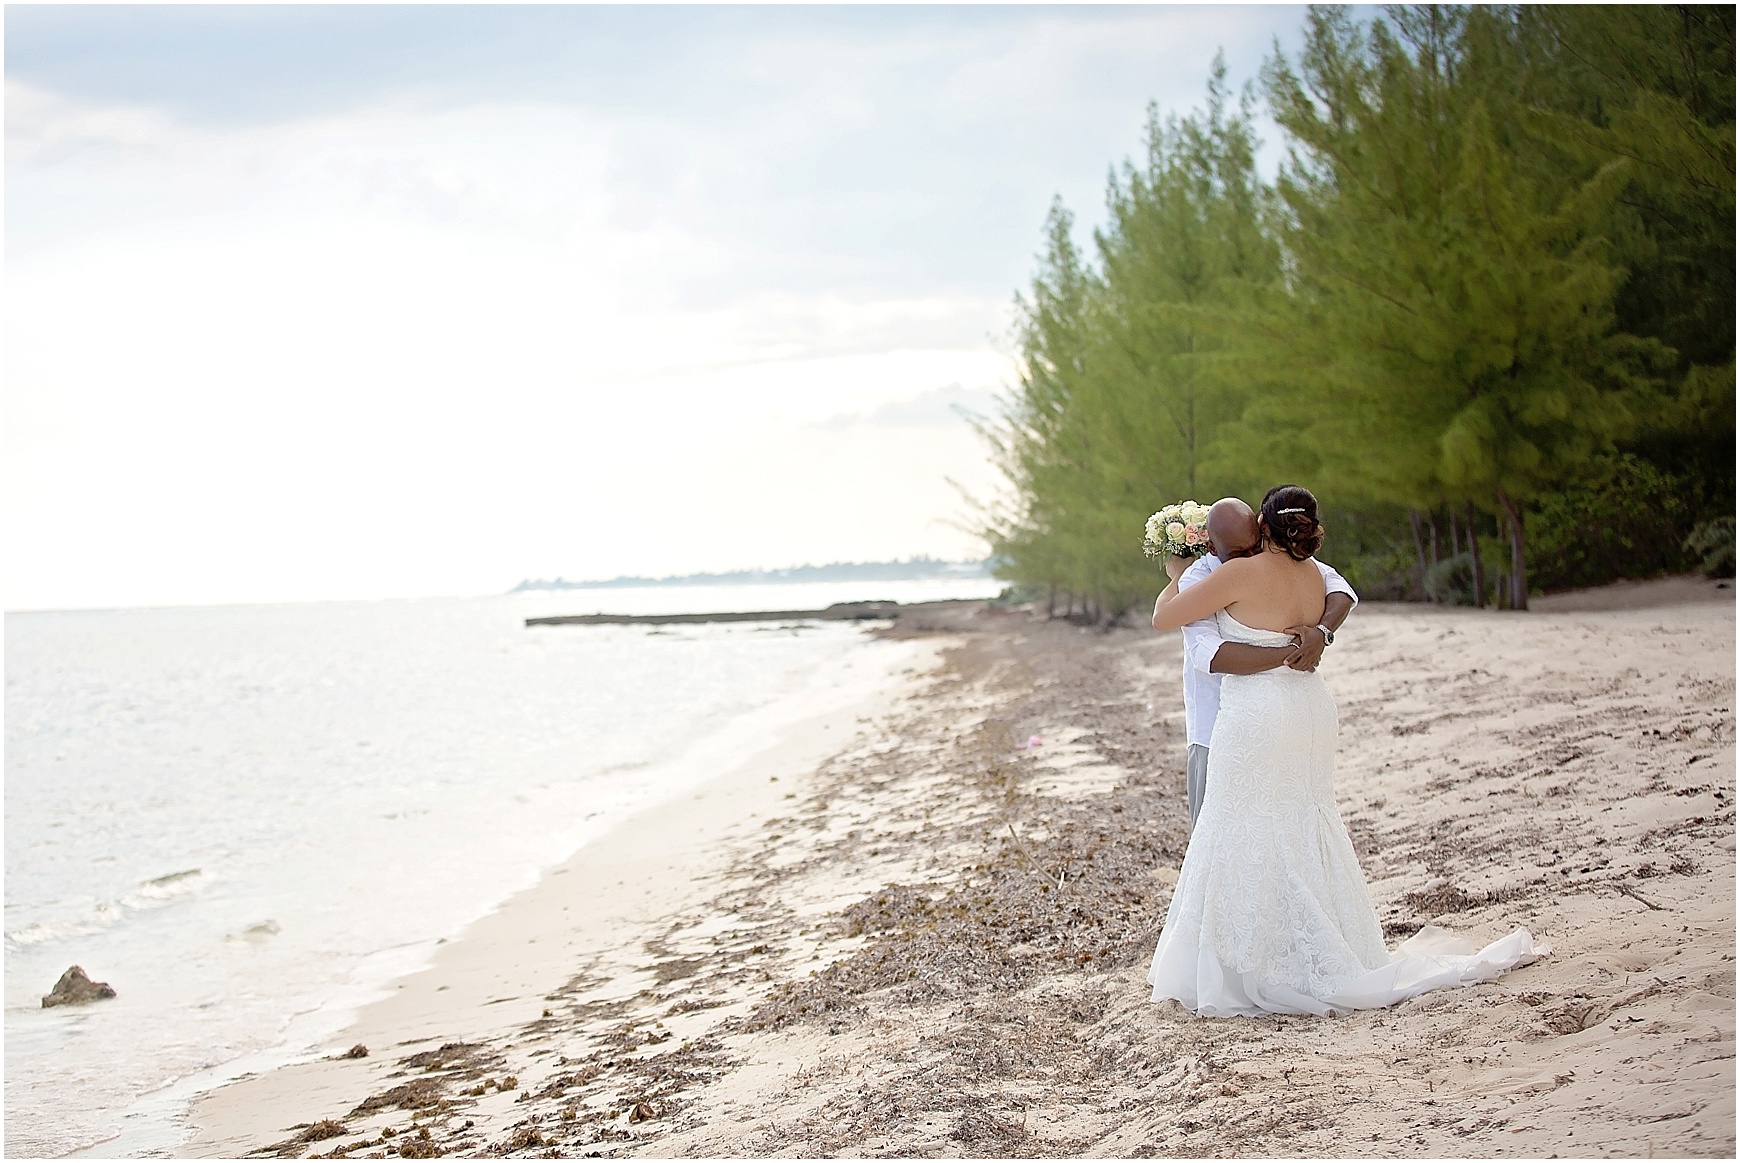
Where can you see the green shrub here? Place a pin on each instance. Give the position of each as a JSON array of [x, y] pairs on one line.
[[1626, 519], [1382, 576], [1713, 543], [1451, 581], [1018, 594]]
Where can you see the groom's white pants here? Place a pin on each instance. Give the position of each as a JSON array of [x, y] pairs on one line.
[[1195, 777]]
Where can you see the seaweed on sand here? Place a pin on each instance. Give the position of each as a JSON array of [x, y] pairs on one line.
[[1057, 885]]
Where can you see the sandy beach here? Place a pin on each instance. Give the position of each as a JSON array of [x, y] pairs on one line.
[[901, 933]]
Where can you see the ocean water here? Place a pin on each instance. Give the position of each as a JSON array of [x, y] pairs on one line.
[[250, 819]]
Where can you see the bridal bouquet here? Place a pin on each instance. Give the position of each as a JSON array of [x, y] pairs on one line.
[[1180, 530]]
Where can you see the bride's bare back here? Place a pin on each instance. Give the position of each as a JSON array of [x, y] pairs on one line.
[[1275, 592], [1270, 590]]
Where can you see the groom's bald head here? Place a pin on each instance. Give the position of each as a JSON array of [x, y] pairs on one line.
[[1232, 527]]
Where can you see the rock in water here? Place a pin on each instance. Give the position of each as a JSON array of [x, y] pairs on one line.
[[75, 988]]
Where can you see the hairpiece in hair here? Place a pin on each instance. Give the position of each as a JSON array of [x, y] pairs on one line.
[[1284, 512]]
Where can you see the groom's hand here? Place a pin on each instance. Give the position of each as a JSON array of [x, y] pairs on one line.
[[1308, 651], [1310, 640]]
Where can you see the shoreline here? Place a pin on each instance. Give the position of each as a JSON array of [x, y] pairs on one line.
[[935, 947], [534, 921]]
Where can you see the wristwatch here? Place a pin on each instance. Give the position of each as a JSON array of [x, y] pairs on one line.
[[1328, 634]]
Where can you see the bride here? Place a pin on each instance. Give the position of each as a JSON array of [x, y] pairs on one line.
[[1271, 913]]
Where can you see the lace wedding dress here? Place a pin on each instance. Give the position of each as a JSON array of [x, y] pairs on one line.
[[1271, 913]]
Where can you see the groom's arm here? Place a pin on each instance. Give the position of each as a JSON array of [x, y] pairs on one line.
[[1243, 658]]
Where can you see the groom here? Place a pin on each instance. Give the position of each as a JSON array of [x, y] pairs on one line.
[[1233, 531]]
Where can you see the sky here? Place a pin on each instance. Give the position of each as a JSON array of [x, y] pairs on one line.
[[330, 302]]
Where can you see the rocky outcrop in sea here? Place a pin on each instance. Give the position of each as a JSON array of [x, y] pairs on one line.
[[76, 988]]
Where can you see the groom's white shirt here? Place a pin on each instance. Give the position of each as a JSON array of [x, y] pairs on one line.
[[1202, 639]]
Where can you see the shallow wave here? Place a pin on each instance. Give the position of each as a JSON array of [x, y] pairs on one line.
[[163, 890], [155, 893]]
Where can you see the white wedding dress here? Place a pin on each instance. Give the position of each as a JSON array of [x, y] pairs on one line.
[[1271, 913]]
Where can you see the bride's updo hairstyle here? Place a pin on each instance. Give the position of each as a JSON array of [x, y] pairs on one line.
[[1290, 521]]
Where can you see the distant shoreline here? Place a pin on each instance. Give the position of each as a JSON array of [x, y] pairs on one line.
[[914, 569]]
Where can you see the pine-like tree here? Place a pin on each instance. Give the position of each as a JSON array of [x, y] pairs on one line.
[[1654, 85], [1122, 394], [1449, 311]]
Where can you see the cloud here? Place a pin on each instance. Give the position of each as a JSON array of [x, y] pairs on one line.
[[947, 407], [405, 351], [429, 311], [41, 125]]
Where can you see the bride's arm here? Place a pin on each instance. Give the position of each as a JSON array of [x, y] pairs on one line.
[[1170, 592], [1218, 590], [1175, 567]]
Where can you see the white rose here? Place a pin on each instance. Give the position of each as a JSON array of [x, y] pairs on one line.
[[1175, 531]]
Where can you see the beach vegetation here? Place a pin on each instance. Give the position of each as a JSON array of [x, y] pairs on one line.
[[1713, 542], [1451, 581], [324, 1129], [1485, 310]]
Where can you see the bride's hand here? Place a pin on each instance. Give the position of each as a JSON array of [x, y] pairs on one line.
[[1175, 566]]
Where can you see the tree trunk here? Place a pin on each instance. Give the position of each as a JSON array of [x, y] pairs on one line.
[[1455, 537], [1051, 602], [1432, 528], [1474, 551], [1190, 414], [1519, 569], [1419, 547]]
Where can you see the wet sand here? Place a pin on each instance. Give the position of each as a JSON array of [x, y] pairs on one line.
[[901, 934]]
